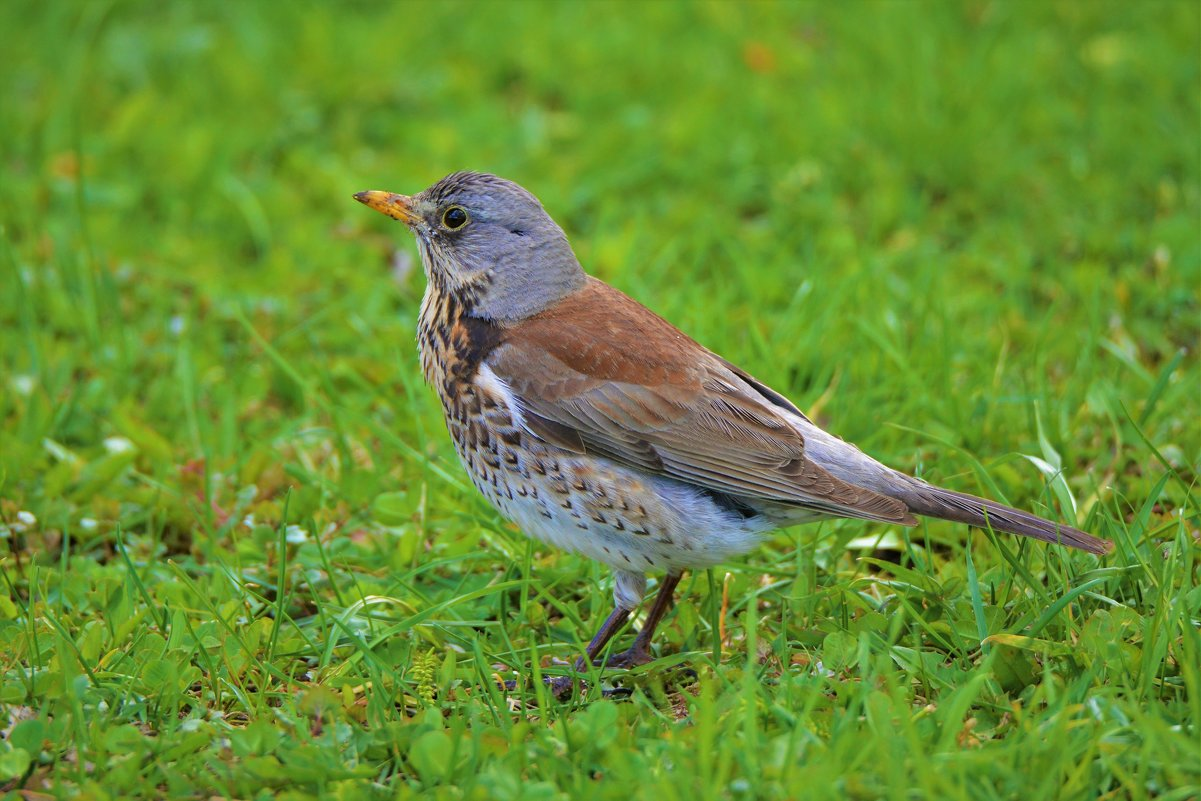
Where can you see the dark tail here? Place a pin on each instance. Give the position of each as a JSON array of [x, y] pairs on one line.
[[926, 499]]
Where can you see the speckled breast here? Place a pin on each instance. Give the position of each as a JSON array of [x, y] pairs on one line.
[[611, 513]]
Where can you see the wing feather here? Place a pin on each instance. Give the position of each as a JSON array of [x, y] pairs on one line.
[[601, 374]]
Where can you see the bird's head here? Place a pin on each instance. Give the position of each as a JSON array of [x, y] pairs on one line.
[[488, 241]]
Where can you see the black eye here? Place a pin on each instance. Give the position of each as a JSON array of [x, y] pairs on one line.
[[454, 217]]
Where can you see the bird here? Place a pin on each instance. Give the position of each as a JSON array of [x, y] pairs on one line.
[[597, 426]]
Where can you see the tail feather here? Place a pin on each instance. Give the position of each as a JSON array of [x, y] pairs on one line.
[[926, 499]]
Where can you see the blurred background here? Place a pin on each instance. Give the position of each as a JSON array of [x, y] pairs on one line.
[[945, 213], [963, 235]]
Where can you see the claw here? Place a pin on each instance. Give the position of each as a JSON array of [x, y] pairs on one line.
[[631, 658], [562, 687]]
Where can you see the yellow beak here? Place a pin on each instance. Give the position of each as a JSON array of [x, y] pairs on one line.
[[398, 207]]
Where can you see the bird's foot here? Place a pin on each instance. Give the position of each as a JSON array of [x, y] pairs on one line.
[[563, 687], [633, 657], [559, 686]]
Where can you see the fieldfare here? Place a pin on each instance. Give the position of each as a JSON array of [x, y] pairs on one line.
[[597, 426]]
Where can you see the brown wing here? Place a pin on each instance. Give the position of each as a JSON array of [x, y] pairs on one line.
[[599, 373]]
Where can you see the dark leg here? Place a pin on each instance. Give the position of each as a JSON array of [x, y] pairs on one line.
[[613, 623], [561, 686], [639, 653]]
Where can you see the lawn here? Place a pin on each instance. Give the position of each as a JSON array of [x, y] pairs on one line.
[[240, 558]]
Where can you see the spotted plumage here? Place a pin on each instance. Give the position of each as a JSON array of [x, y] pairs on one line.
[[597, 426]]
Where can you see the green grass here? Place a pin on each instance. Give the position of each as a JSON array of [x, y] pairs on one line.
[[240, 560]]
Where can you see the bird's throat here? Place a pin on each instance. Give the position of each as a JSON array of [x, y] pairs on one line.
[[452, 342]]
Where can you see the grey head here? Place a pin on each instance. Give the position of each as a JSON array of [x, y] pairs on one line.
[[489, 242]]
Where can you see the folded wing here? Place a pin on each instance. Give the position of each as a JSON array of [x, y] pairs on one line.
[[601, 374]]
